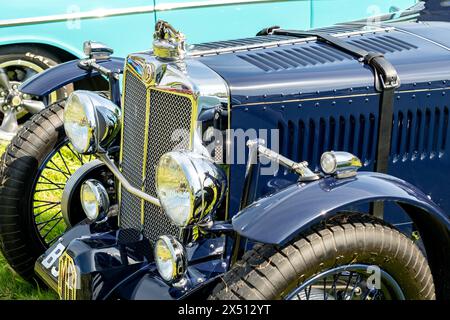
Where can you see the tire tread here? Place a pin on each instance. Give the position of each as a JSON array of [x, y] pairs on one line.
[[267, 270]]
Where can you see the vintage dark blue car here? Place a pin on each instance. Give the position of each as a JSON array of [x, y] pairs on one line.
[[229, 170]]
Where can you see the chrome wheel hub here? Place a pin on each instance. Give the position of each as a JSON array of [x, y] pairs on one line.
[[349, 282], [13, 105]]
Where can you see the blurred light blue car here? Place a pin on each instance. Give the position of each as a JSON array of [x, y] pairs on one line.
[[35, 35], [127, 26]]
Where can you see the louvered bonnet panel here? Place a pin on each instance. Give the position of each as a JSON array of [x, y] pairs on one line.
[[295, 56]]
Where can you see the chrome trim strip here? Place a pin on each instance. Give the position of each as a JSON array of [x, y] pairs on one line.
[[370, 29], [209, 3], [102, 13], [306, 99], [337, 97], [99, 13], [125, 183]]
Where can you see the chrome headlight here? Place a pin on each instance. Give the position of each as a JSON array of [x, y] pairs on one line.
[[342, 164], [189, 186], [91, 121], [94, 199], [170, 258]]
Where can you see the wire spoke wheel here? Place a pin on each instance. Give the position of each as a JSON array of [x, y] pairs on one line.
[[52, 177], [350, 282]]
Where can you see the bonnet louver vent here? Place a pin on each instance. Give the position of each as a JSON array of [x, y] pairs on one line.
[[420, 134], [417, 135], [307, 139], [295, 56], [384, 44]]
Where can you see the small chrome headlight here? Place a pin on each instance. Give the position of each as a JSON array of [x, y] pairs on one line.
[[170, 258], [94, 199], [91, 121], [189, 186], [343, 164]]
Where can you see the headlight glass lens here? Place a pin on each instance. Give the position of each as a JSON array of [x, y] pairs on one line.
[[94, 199], [91, 121], [328, 163], [170, 258], [189, 186], [174, 190], [78, 123]]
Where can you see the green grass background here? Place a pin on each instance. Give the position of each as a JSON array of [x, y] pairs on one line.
[[12, 286]]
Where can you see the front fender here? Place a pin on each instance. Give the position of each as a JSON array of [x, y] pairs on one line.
[[54, 78], [278, 218]]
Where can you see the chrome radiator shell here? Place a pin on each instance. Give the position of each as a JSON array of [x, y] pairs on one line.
[[160, 101]]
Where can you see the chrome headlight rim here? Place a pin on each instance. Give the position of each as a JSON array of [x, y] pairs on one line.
[[178, 260], [95, 125], [99, 193], [328, 156], [206, 183], [80, 104]]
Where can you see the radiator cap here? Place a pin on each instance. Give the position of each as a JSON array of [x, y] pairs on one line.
[[168, 43]]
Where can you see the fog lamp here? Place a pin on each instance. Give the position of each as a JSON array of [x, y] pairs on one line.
[[342, 164], [170, 258], [94, 200]]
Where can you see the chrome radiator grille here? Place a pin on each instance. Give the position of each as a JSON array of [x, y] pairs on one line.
[[169, 114], [169, 128]]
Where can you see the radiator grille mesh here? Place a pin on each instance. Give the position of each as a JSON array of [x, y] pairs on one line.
[[170, 123], [169, 129], [132, 149]]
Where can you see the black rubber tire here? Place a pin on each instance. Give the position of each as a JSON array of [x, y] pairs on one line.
[[20, 242], [34, 54], [41, 58], [270, 272]]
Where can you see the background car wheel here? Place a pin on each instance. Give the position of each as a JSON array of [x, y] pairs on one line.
[[334, 262], [20, 63], [34, 170]]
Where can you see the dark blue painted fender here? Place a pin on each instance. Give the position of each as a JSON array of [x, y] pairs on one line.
[[278, 218], [54, 78]]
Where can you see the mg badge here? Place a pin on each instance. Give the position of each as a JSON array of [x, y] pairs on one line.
[[148, 73], [67, 278]]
